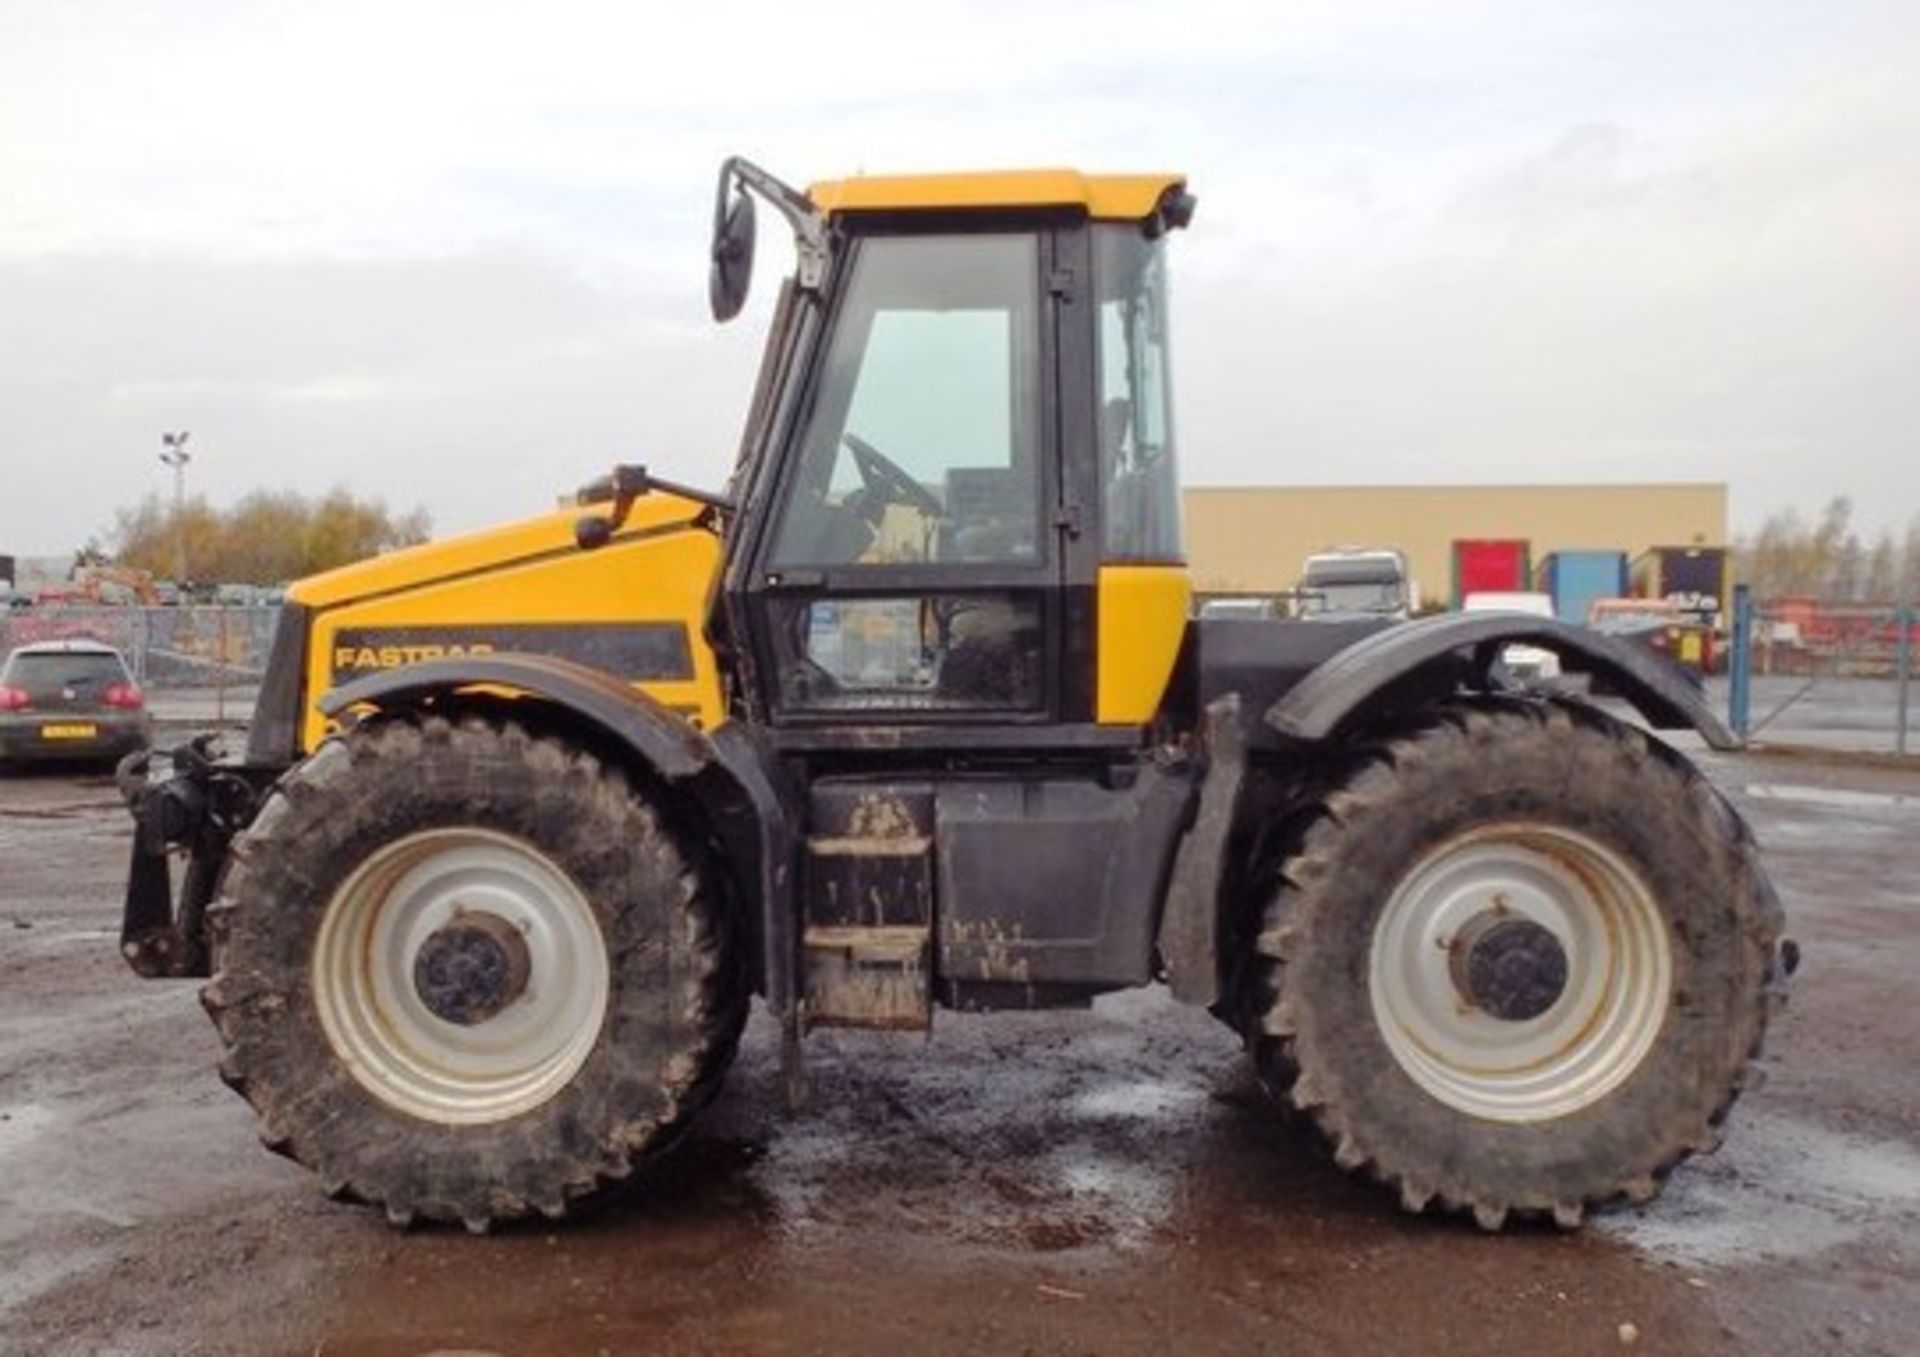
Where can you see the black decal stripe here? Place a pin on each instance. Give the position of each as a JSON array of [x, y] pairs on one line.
[[646, 652]]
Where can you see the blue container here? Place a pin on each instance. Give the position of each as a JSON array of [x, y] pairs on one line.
[[1576, 578]]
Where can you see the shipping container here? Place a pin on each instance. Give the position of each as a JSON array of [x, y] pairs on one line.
[[1575, 579], [1490, 565], [1694, 577]]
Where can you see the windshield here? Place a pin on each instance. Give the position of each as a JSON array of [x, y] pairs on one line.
[[1361, 585], [1352, 598]]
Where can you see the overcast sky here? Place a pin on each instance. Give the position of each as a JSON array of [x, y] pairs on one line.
[[452, 254]]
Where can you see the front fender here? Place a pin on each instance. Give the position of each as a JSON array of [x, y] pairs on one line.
[[671, 745], [1458, 646]]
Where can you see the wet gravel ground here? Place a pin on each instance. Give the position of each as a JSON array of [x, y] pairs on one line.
[[1097, 1182]]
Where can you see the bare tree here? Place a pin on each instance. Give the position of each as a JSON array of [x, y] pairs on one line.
[[1882, 580]]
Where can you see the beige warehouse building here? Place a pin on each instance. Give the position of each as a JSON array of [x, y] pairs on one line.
[[1252, 539]]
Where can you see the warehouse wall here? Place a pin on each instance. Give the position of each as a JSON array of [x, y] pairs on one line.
[[1253, 538]]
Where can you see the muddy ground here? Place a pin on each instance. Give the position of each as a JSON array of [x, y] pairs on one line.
[[1096, 1182]]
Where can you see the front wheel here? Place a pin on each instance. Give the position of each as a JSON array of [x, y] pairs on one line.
[[1517, 961], [468, 974]]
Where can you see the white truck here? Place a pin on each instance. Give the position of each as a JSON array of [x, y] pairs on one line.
[[1350, 582]]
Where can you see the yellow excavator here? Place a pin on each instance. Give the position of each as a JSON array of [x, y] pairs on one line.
[[912, 714]]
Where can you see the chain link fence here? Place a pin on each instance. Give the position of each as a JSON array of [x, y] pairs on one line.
[[1831, 676], [1834, 677], [190, 648]]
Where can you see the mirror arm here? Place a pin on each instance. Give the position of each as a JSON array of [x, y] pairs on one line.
[[809, 227], [627, 484]]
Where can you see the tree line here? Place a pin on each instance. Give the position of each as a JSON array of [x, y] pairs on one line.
[[270, 537], [1792, 556]]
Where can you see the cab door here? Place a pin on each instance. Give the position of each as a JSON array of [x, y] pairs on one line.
[[912, 564]]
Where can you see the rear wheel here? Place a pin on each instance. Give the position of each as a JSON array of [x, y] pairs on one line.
[[468, 974], [1518, 961]]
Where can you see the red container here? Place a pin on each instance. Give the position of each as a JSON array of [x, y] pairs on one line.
[[1490, 565]]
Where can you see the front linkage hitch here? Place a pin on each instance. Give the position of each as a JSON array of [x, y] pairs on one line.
[[194, 812]]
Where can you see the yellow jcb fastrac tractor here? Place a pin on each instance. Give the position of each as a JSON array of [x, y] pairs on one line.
[[913, 714]]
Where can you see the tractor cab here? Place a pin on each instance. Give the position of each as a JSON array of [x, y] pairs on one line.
[[958, 489]]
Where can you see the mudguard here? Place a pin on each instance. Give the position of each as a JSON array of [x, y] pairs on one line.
[[1459, 647], [727, 773], [671, 745]]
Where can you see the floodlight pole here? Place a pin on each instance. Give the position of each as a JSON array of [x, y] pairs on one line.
[[177, 457]]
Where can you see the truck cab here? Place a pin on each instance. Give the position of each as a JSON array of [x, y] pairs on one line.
[[1356, 582]]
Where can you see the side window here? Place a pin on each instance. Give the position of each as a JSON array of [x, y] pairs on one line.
[[923, 443], [924, 652], [1140, 483]]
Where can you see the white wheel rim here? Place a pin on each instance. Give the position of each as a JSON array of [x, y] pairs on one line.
[[419, 1062], [1619, 973]]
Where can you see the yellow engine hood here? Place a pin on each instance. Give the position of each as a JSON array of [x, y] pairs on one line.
[[488, 549], [635, 607]]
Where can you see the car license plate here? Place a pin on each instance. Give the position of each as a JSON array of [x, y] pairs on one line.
[[77, 730]]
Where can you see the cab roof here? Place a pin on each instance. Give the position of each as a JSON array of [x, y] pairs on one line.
[[1105, 197]]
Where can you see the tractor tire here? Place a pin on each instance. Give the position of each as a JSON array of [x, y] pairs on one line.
[[469, 975], [1518, 962]]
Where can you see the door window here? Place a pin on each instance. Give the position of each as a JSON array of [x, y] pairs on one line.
[[923, 443], [919, 652]]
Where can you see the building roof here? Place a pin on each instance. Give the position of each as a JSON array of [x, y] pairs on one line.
[[1109, 197]]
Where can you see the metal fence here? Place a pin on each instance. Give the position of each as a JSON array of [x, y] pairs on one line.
[[1833, 676], [171, 648], [1800, 673]]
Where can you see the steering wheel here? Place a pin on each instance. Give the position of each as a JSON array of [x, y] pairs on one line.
[[886, 483]]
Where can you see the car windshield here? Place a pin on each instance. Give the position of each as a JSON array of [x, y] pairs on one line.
[[49, 672]]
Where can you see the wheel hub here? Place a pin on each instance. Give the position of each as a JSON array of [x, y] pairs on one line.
[[471, 969], [461, 975], [1510, 968], [1520, 971]]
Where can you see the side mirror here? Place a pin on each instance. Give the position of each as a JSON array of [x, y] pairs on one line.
[[732, 269]]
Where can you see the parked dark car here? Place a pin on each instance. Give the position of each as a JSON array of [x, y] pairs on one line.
[[70, 700]]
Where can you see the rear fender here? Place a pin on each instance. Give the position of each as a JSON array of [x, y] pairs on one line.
[[1438, 656], [726, 774]]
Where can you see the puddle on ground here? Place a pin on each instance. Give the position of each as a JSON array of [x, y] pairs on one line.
[[1040, 1153], [36, 1270], [62, 939], [1779, 1189], [1848, 798], [1145, 1100], [62, 810], [1124, 1201], [21, 1125]]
